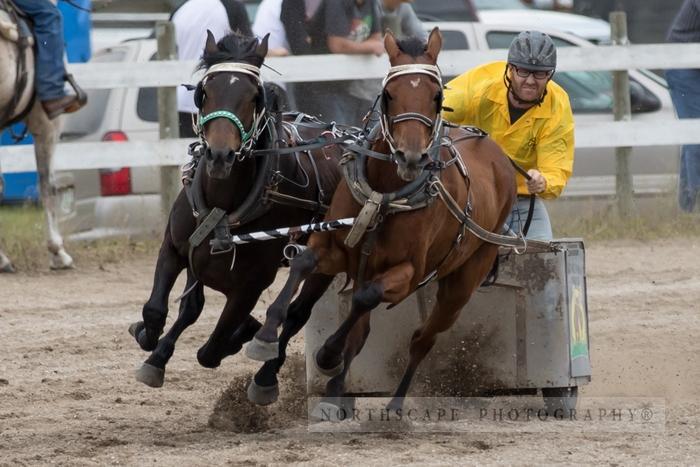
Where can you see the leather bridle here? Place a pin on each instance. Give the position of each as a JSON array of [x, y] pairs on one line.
[[387, 121]]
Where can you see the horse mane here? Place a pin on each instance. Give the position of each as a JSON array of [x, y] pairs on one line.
[[234, 47], [413, 46]]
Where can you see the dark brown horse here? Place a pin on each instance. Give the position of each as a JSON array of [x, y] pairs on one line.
[[231, 191], [412, 233]]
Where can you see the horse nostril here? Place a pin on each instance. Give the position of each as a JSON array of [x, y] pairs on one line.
[[400, 155]]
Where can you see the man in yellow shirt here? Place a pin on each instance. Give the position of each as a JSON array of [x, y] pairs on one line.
[[528, 115]]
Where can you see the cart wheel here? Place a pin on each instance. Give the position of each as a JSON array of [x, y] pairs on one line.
[[560, 402]]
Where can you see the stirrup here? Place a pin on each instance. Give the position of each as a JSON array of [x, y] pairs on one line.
[[80, 94]]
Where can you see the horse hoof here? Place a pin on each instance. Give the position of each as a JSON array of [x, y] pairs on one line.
[[329, 412], [135, 328], [7, 268], [330, 372], [60, 260], [138, 331], [262, 351], [262, 395], [150, 375]]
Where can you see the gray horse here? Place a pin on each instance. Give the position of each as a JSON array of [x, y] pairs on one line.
[[15, 102]]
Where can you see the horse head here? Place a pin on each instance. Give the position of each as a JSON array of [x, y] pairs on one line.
[[411, 102], [230, 99]]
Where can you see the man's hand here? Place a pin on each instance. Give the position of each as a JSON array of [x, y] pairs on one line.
[[537, 183], [377, 47]]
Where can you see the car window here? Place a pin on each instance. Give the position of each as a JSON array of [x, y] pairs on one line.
[[454, 40], [589, 91], [147, 101], [90, 117], [445, 10]]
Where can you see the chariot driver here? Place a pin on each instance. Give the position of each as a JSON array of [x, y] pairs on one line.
[[528, 115]]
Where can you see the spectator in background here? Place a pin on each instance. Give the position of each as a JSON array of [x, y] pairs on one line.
[[399, 17], [685, 93], [296, 16], [192, 20], [346, 27], [268, 21]]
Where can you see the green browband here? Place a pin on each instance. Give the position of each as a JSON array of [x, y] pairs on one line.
[[245, 135]]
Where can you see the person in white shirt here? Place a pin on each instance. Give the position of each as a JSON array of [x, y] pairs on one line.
[[267, 21], [192, 20]]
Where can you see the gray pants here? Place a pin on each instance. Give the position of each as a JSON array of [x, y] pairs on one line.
[[540, 227]]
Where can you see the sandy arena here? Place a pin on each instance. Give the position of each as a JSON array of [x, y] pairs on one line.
[[68, 395]]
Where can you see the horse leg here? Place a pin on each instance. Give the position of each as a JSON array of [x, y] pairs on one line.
[[390, 286], [332, 403], [152, 372], [45, 132], [265, 345], [155, 310], [454, 291], [336, 354], [263, 389], [236, 312]]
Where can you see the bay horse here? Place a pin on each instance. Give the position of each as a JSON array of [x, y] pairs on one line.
[[232, 191], [425, 196], [18, 103]]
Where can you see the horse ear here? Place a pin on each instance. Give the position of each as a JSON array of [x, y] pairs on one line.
[[210, 47], [434, 44], [392, 48], [261, 49]]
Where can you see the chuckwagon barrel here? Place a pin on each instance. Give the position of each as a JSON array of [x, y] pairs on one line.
[[526, 332]]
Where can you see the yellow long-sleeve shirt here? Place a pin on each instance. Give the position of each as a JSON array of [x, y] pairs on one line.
[[542, 138]]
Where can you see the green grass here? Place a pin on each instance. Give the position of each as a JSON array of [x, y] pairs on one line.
[[23, 239], [653, 218]]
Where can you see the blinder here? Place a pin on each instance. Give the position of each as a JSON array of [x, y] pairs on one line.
[[199, 95]]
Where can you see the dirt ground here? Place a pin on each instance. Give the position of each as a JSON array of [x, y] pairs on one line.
[[68, 395]]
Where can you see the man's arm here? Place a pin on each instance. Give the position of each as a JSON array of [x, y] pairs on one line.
[[455, 104], [341, 45], [410, 24], [555, 154]]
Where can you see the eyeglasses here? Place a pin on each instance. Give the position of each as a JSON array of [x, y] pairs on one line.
[[538, 74]]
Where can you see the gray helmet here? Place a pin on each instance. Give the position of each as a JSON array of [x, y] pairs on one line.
[[533, 50]]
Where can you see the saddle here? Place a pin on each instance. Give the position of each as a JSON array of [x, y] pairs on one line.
[[14, 25]]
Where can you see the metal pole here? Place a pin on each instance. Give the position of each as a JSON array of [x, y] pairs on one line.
[[622, 111], [167, 117]]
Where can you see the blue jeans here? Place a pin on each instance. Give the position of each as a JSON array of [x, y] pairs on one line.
[[685, 93], [540, 227], [48, 32]]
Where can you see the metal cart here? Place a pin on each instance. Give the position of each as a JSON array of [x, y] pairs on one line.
[[527, 332]]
